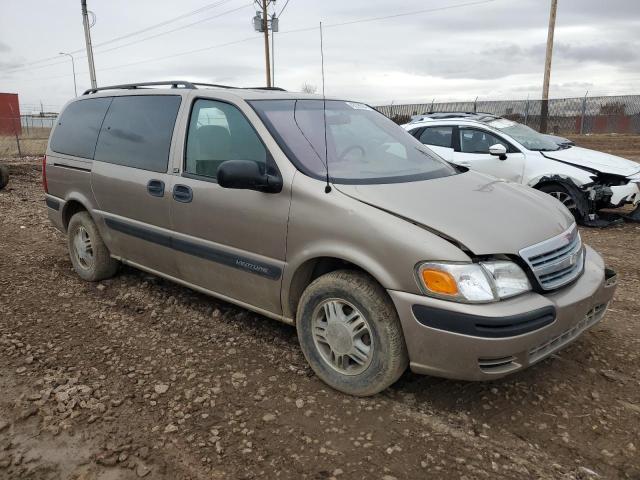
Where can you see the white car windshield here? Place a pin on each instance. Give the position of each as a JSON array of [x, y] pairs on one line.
[[524, 135]]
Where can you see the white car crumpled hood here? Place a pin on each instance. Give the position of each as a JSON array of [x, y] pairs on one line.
[[602, 162]]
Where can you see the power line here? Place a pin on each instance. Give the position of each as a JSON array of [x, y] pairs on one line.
[[180, 54], [136, 32], [285, 6], [327, 25], [174, 30], [339, 24], [166, 22], [139, 40], [395, 15]]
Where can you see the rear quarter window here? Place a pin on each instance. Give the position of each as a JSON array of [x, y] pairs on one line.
[[137, 131], [77, 129], [437, 136]]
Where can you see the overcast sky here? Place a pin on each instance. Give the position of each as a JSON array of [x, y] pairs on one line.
[[494, 50]]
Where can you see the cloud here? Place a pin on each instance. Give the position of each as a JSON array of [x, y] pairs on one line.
[[618, 53], [490, 49]]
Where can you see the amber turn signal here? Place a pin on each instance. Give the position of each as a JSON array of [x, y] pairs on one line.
[[439, 282]]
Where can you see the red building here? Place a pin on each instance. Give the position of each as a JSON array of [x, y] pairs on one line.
[[9, 114]]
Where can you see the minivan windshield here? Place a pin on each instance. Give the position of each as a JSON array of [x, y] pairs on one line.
[[362, 145], [527, 137]]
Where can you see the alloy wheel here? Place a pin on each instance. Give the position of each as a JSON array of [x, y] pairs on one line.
[[342, 335]]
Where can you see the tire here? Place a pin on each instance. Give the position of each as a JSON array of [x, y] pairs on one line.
[[89, 255], [378, 342], [568, 196], [4, 176]]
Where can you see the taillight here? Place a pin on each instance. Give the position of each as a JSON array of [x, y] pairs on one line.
[[44, 174]]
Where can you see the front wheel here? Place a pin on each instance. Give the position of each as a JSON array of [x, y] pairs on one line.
[[350, 333], [569, 197]]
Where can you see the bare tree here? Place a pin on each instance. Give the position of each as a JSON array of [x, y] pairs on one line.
[[308, 88]]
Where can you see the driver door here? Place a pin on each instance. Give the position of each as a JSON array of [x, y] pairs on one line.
[[472, 151], [230, 242]]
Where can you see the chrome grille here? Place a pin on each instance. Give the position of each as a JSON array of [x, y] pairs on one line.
[[557, 261]]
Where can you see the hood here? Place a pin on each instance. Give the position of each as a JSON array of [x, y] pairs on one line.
[[486, 215], [602, 162]]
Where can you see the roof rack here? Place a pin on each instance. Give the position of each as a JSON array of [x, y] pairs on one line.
[[133, 86], [174, 84], [458, 114], [277, 89]]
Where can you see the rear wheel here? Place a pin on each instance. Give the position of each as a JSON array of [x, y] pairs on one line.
[[350, 333], [89, 255]]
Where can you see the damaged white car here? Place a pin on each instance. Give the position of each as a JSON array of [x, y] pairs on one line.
[[584, 180]]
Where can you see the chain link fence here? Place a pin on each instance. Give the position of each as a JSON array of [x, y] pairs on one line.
[[582, 115], [26, 135]]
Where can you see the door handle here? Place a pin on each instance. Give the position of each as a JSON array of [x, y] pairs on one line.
[[156, 188], [182, 193]]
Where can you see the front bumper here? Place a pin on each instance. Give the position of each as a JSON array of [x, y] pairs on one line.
[[454, 351], [625, 194]]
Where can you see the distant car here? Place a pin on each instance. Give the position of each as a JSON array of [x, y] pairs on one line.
[[583, 180]]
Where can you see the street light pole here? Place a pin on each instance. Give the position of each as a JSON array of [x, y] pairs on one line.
[[73, 67]]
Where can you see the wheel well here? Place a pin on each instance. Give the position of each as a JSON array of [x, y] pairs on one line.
[[542, 183], [583, 203], [70, 209], [309, 271]]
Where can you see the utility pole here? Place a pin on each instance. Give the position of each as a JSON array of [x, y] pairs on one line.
[[544, 110], [87, 39], [262, 23], [265, 27]]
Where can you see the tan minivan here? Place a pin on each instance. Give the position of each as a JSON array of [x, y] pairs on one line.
[[326, 215]]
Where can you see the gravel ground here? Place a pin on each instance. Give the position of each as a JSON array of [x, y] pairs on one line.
[[137, 377]]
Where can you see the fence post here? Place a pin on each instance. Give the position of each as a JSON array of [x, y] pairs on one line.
[[475, 105], [526, 112], [15, 131], [584, 112]]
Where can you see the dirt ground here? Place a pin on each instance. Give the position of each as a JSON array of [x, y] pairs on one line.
[[137, 377]]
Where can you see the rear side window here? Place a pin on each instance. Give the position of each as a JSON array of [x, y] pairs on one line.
[[437, 136], [78, 126], [219, 132], [137, 131]]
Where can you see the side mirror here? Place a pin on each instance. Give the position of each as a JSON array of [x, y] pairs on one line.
[[246, 175], [499, 151]]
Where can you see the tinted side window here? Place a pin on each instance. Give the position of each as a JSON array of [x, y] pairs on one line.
[[78, 126], [437, 136], [478, 141], [137, 131], [219, 132]]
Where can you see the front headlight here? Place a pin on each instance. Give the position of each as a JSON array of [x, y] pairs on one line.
[[472, 282]]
